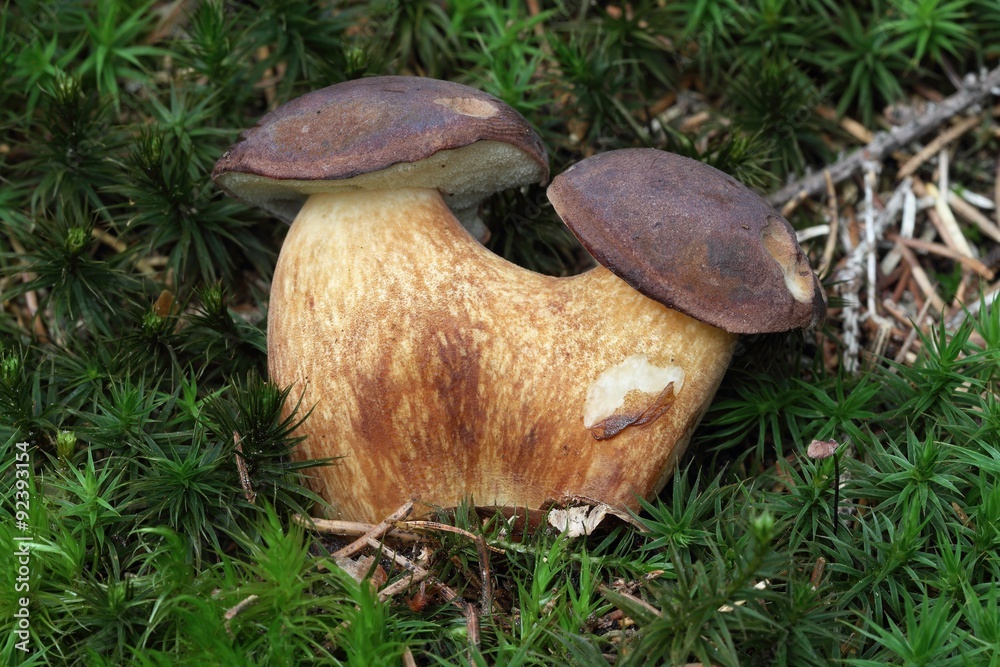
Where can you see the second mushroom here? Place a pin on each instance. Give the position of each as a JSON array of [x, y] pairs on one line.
[[437, 371]]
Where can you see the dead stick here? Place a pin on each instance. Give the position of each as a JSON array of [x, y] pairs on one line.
[[397, 587], [996, 193], [434, 525], [939, 142], [235, 611], [944, 251], [921, 278], [886, 142], [242, 471], [353, 528], [375, 533], [972, 214], [604, 590], [486, 598], [831, 240], [408, 565]]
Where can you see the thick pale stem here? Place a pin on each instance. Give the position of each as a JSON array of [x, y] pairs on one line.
[[439, 371]]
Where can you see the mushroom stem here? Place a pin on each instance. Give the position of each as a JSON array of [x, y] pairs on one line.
[[439, 371]]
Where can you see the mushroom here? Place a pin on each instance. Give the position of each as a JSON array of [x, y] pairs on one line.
[[437, 371]]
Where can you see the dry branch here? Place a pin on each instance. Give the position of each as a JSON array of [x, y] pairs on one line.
[[886, 142]]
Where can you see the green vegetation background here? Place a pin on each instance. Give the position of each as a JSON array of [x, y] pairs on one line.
[[112, 113]]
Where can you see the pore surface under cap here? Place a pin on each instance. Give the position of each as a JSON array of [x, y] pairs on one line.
[[348, 133], [691, 237]]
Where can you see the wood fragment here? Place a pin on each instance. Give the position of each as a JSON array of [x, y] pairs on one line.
[[847, 281], [793, 204], [30, 297], [937, 145], [904, 276], [434, 525], [813, 232], [375, 533], [922, 280], [943, 251], [692, 123], [897, 313], [988, 298], [833, 209], [242, 471], [907, 223], [235, 611], [886, 142], [928, 93], [947, 226], [351, 528], [917, 325], [486, 575], [963, 287], [107, 239], [400, 585], [973, 215], [171, 16], [604, 590], [848, 124], [870, 177], [817, 574], [996, 192], [471, 617], [534, 10]]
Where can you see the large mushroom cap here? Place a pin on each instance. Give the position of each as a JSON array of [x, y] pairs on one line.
[[691, 237], [383, 132]]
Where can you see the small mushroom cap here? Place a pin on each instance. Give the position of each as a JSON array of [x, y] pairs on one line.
[[691, 237], [380, 133]]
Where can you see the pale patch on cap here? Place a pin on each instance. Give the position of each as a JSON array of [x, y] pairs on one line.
[[468, 106]]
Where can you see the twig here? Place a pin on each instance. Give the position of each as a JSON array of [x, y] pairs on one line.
[[996, 192], [817, 574], [351, 528], [171, 16], [848, 124], [940, 194], [989, 297], [242, 471], [486, 595], [886, 142], [239, 608], [400, 585], [945, 223], [813, 232], [831, 240], [972, 214], [434, 525], [848, 279], [920, 276], [408, 565], [916, 326], [908, 205], [30, 297], [935, 146], [942, 251], [604, 590], [471, 618], [107, 239], [375, 533], [871, 175]]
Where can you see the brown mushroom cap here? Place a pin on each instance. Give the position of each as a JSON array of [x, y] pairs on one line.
[[691, 237], [379, 133]]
